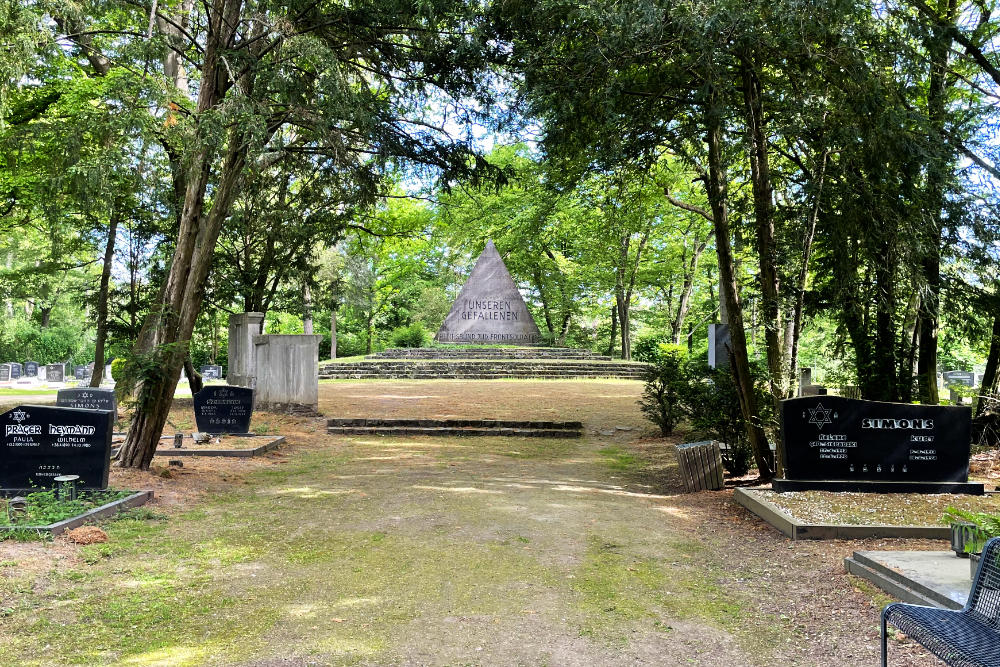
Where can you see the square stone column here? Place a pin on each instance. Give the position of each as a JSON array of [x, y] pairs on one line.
[[287, 368], [242, 329]]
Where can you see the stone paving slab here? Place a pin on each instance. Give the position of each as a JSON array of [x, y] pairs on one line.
[[934, 578]]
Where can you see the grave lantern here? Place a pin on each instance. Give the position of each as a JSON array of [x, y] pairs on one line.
[[66, 487], [17, 508]]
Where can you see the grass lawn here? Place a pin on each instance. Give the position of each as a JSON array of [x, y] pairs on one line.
[[424, 550]]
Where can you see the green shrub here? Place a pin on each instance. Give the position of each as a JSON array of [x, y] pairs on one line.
[[662, 398], [714, 412], [984, 527], [410, 336], [117, 368], [651, 347], [350, 344], [677, 389]]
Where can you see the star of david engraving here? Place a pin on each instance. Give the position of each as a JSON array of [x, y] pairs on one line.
[[19, 416], [820, 416]]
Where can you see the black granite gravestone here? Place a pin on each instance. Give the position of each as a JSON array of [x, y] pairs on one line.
[[16, 370], [838, 443], [55, 373], [31, 369], [81, 372], [88, 398], [223, 409], [4, 372], [211, 372], [42, 442]]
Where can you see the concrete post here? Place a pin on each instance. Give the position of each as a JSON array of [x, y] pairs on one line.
[[242, 329], [287, 369]]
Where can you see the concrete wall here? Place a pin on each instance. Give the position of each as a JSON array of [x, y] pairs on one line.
[[287, 368], [242, 329]]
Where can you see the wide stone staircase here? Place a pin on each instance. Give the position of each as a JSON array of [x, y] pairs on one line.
[[483, 363], [455, 427]]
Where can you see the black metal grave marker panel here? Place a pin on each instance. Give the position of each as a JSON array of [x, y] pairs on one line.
[[223, 409], [42, 442]]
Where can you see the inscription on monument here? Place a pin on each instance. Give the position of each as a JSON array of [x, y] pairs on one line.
[[41, 443], [55, 373], [835, 438], [223, 409], [89, 398]]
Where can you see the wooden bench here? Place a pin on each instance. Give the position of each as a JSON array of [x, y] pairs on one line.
[[969, 637]]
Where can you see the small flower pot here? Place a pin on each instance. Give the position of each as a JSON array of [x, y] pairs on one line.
[[961, 534]]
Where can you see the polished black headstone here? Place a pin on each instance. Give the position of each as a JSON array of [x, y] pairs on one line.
[[31, 369], [211, 372], [88, 398], [16, 370], [81, 372], [4, 372], [42, 442], [55, 373], [223, 409], [844, 439]]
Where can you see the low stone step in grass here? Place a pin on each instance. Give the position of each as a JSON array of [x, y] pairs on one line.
[[44, 513]]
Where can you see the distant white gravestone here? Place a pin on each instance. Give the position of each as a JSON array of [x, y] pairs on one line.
[[489, 310]]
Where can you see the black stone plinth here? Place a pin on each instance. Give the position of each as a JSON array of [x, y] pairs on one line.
[[968, 488]]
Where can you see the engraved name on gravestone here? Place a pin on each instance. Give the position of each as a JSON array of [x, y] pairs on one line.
[[836, 438], [489, 309], [55, 373], [4, 372], [223, 409], [31, 369], [211, 372], [42, 442], [88, 398]]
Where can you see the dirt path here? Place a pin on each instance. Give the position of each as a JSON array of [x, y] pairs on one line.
[[487, 551]]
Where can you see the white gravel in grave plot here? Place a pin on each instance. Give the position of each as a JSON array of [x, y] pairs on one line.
[[875, 509]]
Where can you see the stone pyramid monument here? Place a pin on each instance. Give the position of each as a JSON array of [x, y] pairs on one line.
[[489, 310]]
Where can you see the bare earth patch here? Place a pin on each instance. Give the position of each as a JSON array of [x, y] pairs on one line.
[[423, 550]]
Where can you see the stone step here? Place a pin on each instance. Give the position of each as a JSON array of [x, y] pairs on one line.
[[482, 369], [444, 431], [488, 353], [453, 423]]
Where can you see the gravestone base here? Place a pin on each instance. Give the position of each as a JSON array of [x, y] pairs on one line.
[[967, 488], [294, 409]]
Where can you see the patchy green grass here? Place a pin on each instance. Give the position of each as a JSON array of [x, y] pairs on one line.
[[619, 459], [12, 391]]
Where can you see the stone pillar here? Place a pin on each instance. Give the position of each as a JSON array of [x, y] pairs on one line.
[[287, 368], [718, 345], [242, 329]]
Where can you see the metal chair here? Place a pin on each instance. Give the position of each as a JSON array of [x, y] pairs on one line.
[[968, 637]]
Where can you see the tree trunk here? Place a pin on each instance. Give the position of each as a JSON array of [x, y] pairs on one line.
[[46, 312], [102, 295], [614, 329], [767, 249], [166, 333], [195, 381], [991, 376], [938, 48], [307, 308], [740, 362], [333, 332], [684, 298]]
